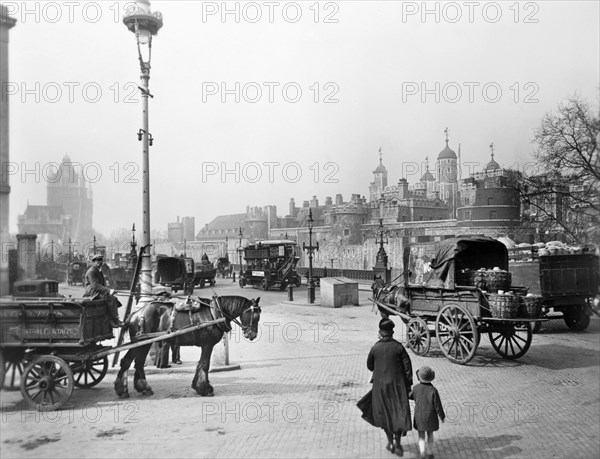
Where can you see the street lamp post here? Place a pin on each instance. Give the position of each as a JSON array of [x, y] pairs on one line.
[[145, 25], [310, 249], [69, 265], [240, 252]]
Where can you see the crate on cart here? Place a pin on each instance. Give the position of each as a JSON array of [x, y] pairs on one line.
[[76, 322]]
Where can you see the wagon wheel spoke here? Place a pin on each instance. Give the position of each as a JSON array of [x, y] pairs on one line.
[[516, 337], [92, 372], [513, 344]]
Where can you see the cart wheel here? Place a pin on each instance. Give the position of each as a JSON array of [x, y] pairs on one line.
[[202, 283], [47, 383], [89, 373], [577, 320], [418, 336], [457, 334], [536, 327], [511, 340], [264, 285], [12, 363]]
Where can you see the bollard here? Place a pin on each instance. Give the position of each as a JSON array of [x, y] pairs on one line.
[[290, 292], [234, 277]]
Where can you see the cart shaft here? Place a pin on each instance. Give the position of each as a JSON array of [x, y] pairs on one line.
[[162, 337]]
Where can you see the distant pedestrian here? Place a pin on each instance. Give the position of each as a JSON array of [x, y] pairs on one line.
[[428, 407], [386, 405]]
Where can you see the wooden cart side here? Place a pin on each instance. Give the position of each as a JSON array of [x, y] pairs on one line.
[[427, 301], [26, 323]]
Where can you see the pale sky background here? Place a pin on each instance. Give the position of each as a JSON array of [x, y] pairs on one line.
[[368, 55]]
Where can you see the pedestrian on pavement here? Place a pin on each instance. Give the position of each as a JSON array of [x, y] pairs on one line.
[[386, 405], [95, 287], [428, 407]]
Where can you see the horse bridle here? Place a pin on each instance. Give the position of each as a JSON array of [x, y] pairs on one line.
[[253, 307]]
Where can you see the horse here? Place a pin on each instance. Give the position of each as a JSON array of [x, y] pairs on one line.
[[393, 295], [159, 316]]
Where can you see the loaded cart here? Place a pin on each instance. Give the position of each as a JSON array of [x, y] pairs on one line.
[[566, 282], [467, 293], [53, 346], [568, 285]]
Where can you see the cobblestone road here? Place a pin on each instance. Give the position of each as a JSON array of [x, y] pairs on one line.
[[296, 395]]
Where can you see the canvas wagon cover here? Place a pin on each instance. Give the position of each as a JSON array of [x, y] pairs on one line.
[[472, 252]]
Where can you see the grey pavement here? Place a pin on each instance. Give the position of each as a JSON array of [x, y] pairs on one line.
[[296, 392]]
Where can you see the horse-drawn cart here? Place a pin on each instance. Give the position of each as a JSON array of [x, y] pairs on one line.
[[452, 306], [54, 343]]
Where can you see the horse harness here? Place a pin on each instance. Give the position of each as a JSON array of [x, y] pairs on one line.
[[216, 312]]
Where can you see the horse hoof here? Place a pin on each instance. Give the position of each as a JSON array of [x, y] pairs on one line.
[[124, 395], [148, 392]]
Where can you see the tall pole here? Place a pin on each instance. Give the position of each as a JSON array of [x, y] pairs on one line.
[[146, 271], [240, 252], [69, 265], [145, 24], [310, 249]]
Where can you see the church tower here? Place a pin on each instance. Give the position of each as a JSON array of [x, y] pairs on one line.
[[380, 179], [447, 173]]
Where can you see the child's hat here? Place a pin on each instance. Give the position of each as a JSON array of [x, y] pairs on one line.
[[425, 374], [386, 325]]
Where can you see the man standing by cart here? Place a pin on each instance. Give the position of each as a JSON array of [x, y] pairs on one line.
[[95, 288]]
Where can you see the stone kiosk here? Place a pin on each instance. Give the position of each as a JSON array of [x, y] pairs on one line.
[[338, 291]]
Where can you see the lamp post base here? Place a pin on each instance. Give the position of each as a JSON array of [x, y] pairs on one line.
[[311, 292]]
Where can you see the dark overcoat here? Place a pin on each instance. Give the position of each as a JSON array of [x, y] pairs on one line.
[[392, 380], [428, 407], [95, 285]]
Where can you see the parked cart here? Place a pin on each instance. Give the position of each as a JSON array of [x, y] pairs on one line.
[[567, 283], [453, 306], [56, 346]]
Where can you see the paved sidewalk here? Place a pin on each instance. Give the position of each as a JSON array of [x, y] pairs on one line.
[[296, 393]]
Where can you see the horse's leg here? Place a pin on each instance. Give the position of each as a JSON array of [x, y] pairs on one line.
[[163, 355], [120, 383], [201, 383], [139, 378]]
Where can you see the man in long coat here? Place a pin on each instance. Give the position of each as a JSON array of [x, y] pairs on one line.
[[392, 381], [95, 287]]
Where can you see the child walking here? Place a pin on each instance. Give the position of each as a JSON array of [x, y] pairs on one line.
[[428, 407]]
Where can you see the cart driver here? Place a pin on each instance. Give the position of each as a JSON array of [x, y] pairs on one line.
[[95, 288]]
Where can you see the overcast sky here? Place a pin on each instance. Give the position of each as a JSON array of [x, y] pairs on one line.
[[337, 80]]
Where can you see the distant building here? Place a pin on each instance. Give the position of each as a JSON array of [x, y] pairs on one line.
[[69, 209], [180, 231], [436, 207], [490, 198]]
